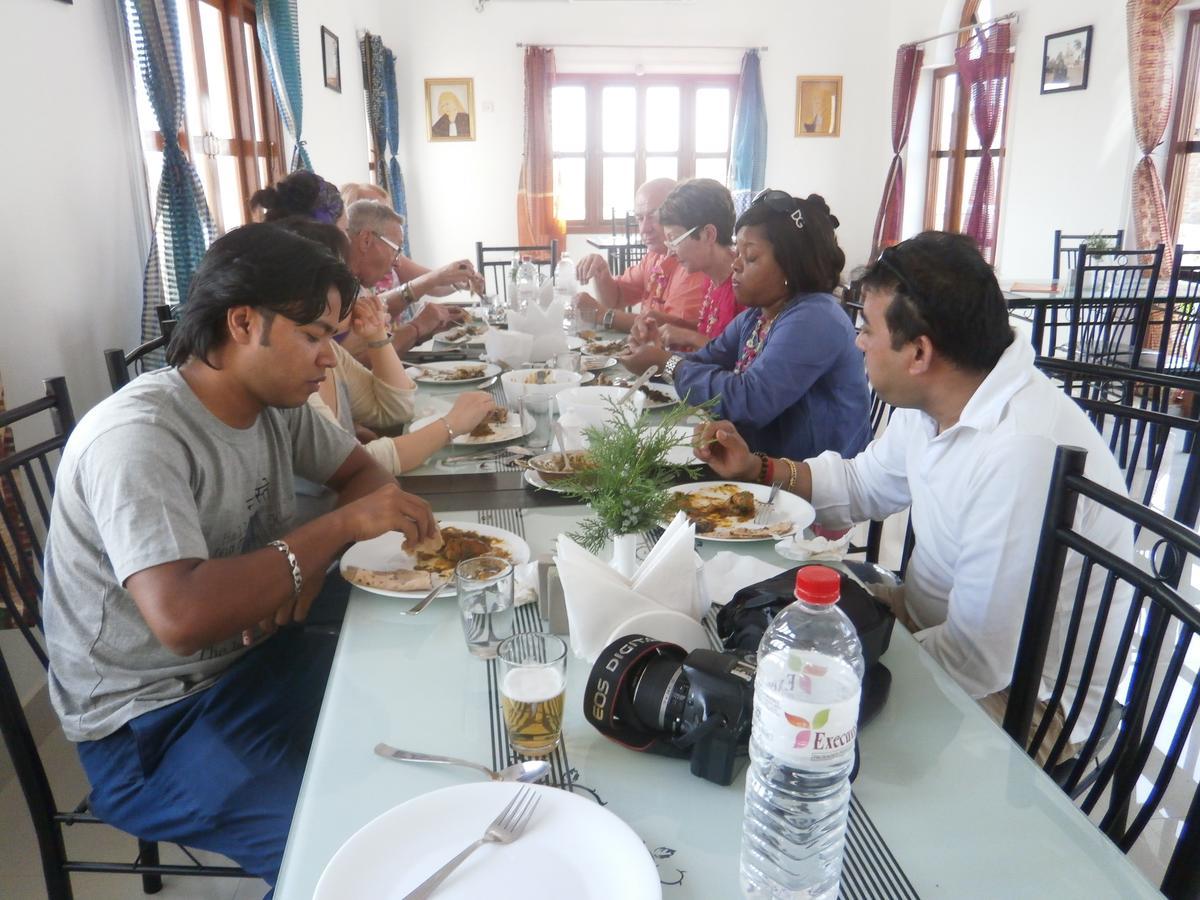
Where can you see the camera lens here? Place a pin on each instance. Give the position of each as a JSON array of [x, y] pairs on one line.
[[659, 693]]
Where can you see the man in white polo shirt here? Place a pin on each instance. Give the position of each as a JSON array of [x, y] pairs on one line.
[[970, 449]]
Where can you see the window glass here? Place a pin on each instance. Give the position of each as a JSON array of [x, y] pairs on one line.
[[662, 167], [714, 167], [252, 77], [618, 113], [570, 188], [712, 120], [662, 119], [568, 122], [618, 185], [220, 115]]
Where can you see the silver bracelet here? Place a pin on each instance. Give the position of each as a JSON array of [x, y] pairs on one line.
[[449, 430], [297, 578]]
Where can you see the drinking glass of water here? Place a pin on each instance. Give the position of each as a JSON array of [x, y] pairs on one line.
[[485, 602], [536, 410]]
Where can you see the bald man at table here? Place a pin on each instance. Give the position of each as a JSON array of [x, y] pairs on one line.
[[658, 282]]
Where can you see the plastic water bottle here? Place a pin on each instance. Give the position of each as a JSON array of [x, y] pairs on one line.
[[527, 285], [806, 694], [565, 287], [564, 274]]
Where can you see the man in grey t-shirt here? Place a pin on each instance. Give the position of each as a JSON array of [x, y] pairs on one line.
[[172, 560]]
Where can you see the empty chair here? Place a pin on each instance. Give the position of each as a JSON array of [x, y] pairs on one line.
[[123, 367], [1147, 684], [1065, 246], [1175, 319], [493, 263], [27, 478]]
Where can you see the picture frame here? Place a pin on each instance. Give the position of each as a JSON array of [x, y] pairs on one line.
[[818, 105], [1066, 60], [450, 109], [331, 59]]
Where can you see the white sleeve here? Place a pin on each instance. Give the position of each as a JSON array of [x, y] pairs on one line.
[[873, 485], [1003, 507]]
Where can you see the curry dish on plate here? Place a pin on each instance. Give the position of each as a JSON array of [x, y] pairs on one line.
[[432, 567], [725, 511]]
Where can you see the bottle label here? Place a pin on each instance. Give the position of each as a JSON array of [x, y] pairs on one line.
[[806, 708]]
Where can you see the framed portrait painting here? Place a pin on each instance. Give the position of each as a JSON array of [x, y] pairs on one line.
[[818, 105], [450, 109], [331, 59], [1065, 61]]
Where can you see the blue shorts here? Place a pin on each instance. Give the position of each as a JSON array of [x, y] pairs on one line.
[[219, 770]]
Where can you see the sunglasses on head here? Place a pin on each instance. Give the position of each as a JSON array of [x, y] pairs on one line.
[[780, 202], [888, 260]]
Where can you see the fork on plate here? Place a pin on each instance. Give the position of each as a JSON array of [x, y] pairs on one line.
[[766, 510], [504, 829]]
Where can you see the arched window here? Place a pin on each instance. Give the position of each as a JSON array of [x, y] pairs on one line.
[[954, 148]]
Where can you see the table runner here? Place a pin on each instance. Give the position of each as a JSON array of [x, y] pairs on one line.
[[869, 871]]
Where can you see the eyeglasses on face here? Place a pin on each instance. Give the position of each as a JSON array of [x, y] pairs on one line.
[[396, 248], [673, 243], [780, 202]]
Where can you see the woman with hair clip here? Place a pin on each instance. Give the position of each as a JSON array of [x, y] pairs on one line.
[[786, 371], [302, 193], [697, 218]]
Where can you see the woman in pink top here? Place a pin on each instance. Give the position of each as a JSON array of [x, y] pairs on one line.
[[697, 219]]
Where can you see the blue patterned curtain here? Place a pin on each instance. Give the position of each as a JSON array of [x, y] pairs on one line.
[[395, 179], [748, 156], [183, 226], [280, 40], [371, 47]]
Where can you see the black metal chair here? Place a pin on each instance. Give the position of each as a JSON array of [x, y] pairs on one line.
[[27, 479], [1065, 246], [1175, 319], [1156, 635], [493, 263], [123, 367], [1132, 409], [1104, 314]]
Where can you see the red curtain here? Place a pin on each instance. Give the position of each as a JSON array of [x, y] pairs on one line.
[[984, 64], [1151, 30], [536, 223], [888, 223]]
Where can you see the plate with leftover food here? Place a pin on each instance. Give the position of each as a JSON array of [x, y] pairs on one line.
[[452, 372], [596, 363], [598, 347], [501, 424], [386, 565], [470, 333], [725, 511]]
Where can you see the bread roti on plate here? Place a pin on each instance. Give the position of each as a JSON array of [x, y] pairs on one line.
[[398, 580]]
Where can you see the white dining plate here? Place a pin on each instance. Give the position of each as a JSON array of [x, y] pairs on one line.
[[664, 625], [572, 847], [596, 363], [574, 343], [510, 430], [795, 511], [666, 390], [422, 374], [603, 346], [466, 337], [534, 478], [388, 552]]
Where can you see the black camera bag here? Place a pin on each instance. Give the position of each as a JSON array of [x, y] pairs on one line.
[[742, 622]]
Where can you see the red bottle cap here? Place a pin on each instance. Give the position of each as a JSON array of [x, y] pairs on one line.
[[818, 584]]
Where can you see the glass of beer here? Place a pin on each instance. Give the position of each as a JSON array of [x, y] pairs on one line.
[[485, 600], [533, 680]]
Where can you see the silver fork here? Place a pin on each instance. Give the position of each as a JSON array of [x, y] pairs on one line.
[[505, 829], [765, 511]]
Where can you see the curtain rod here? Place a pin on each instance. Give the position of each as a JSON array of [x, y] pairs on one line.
[[1006, 17], [639, 47]]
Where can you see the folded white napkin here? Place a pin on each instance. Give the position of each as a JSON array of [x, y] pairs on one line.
[[514, 348], [802, 548], [544, 322], [726, 574], [599, 599]]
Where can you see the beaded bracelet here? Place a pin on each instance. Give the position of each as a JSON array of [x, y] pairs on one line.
[[765, 469]]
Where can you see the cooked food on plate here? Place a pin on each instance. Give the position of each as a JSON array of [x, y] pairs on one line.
[[497, 416], [725, 511], [605, 348], [434, 563], [455, 373], [455, 335], [588, 335]]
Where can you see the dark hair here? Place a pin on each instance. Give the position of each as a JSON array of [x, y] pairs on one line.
[[263, 266], [330, 237], [302, 193], [946, 290], [699, 202], [801, 236]]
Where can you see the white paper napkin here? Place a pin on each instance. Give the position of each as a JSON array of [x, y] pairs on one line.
[[599, 599], [514, 348], [727, 573]]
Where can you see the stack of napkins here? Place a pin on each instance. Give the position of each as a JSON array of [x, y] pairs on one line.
[[659, 601], [543, 320], [513, 348]]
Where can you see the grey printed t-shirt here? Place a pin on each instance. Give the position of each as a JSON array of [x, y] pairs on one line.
[[150, 476]]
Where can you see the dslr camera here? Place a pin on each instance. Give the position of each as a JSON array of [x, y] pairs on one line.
[[654, 696]]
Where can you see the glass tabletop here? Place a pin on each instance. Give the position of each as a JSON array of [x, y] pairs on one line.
[[961, 809]]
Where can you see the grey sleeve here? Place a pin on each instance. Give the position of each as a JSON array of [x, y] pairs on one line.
[[136, 480], [319, 447]]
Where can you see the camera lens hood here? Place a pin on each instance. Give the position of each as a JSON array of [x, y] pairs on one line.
[[608, 698]]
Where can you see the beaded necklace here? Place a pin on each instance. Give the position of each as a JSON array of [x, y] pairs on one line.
[[755, 343]]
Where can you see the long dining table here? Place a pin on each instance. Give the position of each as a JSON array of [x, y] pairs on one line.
[[944, 804]]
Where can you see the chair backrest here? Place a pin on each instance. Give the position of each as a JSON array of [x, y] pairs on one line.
[[1154, 447], [1065, 246], [493, 263], [1175, 319], [1156, 635], [26, 495], [122, 366]]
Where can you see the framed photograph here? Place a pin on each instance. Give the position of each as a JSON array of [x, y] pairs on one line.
[[818, 105], [450, 109], [331, 59], [1065, 61]]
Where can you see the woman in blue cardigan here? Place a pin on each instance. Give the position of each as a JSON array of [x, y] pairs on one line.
[[786, 370]]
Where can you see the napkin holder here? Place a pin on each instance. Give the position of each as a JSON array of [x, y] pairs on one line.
[[552, 604]]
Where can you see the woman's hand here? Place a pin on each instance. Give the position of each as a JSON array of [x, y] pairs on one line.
[[720, 445], [367, 319], [645, 332], [681, 338], [642, 358], [469, 410]]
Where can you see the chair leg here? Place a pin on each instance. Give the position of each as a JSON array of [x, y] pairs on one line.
[[148, 855]]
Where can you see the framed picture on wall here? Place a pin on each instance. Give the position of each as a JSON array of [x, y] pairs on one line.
[[1065, 61], [450, 109], [818, 105], [331, 59]]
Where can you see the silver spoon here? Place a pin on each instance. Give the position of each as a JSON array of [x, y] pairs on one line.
[[562, 445], [531, 770], [424, 601]]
